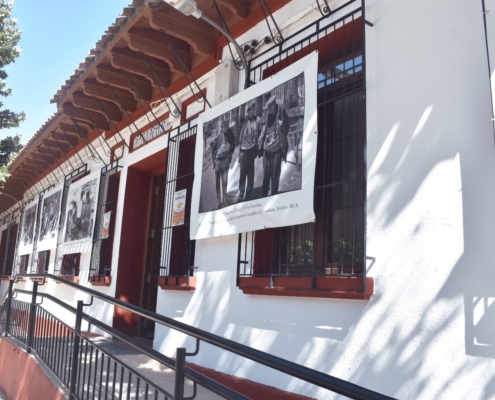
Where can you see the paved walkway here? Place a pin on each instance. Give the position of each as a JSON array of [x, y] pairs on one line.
[[155, 372]]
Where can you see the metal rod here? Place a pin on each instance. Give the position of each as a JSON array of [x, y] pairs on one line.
[[93, 149], [176, 112], [315, 377], [9, 307], [73, 148], [75, 351], [145, 102], [32, 318], [185, 70], [63, 152], [234, 42], [127, 113], [99, 140], [180, 364], [110, 121]]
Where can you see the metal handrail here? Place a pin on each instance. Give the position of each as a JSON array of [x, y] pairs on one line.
[[298, 371], [195, 376]]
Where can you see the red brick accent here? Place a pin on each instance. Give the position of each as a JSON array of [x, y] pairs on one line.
[[332, 287], [97, 280], [177, 283]]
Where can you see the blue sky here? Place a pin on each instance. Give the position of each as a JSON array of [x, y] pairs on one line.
[[56, 36]]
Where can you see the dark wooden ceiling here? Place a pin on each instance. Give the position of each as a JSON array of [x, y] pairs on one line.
[[100, 96]]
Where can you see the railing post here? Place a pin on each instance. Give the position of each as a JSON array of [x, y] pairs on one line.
[[9, 307], [75, 351], [32, 318], [180, 366]]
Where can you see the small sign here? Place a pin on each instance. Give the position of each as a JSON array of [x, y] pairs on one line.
[[105, 230], [179, 212]]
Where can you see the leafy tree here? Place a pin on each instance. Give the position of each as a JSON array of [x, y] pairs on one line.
[[9, 147], [9, 51]]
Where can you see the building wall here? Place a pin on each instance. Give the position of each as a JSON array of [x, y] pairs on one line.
[[427, 332]]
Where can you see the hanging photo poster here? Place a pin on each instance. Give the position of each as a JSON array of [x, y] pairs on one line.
[[49, 219], [81, 212], [105, 229], [179, 212], [258, 156], [28, 228]]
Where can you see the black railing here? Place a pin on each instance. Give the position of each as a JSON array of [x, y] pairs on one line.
[[31, 326]]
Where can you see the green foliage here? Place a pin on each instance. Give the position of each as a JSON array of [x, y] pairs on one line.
[[9, 51], [9, 147], [4, 173]]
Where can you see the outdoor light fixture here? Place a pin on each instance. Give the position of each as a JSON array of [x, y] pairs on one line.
[[189, 7]]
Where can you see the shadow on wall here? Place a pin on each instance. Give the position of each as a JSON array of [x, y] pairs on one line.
[[429, 331], [433, 283]]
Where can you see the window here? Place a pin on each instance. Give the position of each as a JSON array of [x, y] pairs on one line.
[[61, 260], [70, 264], [43, 262], [101, 255], [23, 264], [176, 267], [313, 255]]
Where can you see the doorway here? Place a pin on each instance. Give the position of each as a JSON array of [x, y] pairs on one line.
[[153, 254], [140, 244]]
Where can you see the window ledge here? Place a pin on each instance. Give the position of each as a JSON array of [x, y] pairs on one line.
[[37, 279], [70, 278], [100, 280], [177, 283], [5, 277], [331, 287]]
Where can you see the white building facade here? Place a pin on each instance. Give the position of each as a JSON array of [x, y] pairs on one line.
[[392, 286]]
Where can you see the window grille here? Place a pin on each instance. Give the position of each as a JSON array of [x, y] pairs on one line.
[[101, 255], [177, 258], [334, 245], [72, 177]]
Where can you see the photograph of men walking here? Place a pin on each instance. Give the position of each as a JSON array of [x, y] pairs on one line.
[[254, 150]]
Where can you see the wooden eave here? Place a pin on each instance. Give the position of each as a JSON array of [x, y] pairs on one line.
[[135, 39]]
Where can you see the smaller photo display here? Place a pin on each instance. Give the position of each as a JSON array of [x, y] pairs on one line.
[[81, 209], [27, 228], [49, 221]]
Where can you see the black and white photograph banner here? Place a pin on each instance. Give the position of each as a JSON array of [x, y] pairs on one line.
[[258, 156], [80, 214], [28, 228], [50, 216]]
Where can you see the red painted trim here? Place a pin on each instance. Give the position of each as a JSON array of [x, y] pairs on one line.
[[98, 280], [119, 145], [176, 283], [70, 278], [331, 287], [187, 103], [250, 389]]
